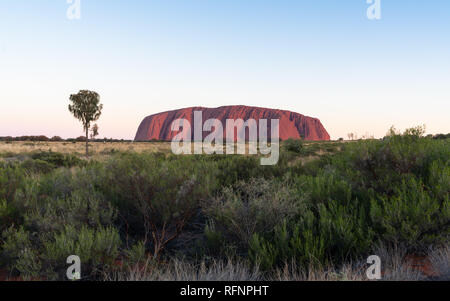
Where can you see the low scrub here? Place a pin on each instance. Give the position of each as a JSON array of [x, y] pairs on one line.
[[159, 216]]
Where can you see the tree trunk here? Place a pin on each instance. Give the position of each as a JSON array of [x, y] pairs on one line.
[[87, 143]]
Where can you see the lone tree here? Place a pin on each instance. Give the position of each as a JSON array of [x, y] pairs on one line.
[[87, 108]]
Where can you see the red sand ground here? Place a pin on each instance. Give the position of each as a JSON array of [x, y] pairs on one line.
[[422, 264]]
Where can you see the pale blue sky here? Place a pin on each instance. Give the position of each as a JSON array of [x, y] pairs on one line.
[[321, 58]]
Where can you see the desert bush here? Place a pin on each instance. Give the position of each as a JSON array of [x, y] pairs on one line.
[[382, 165], [34, 255], [332, 227], [37, 166], [157, 197], [77, 210], [12, 179], [28, 264], [438, 180], [18, 252], [97, 248], [331, 148], [7, 154], [233, 169], [345, 230], [236, 168], [64, 198], [321, 236], [325, 187], [136, 255], [411, 217], [14, 240], [284, 244], [246, 208], [294, 145], [313, 148], [50, 206], [58, 159]]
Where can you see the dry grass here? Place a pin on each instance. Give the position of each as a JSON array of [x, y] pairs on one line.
[[21, 147], [440, 262], [347, 272], [97, 149], [220, 271], [101, 150], [394, 265], [394, 268], [178, 270]]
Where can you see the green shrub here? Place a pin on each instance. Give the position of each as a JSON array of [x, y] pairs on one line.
[[136, 255], [412, 217], [345, 229], [51, 205], [235, 168], [157, 197], [332, 234], [18, 254], [97, 248], [14, 240], [28, 264], [325, 187], [12, 179], [381, 165], [58, 159], [289, 242], [256, 206], [294, 145], [214, 240], [438, 180], [37, 166], [64, 198], [44, 256]]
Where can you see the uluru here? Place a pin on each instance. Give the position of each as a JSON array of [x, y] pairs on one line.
[[292, 125]]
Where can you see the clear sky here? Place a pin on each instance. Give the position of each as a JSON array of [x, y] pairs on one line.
[[321, 58]]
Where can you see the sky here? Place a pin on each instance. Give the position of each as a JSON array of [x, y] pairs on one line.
[[320, 58]]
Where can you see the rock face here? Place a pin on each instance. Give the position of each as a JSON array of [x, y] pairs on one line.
[[292, 125]]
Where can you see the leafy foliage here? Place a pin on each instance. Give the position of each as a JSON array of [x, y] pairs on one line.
[[87, 108], [294, 145]]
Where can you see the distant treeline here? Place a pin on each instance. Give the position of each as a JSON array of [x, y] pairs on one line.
[[440, 136], [43, 138], [57, 139]]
